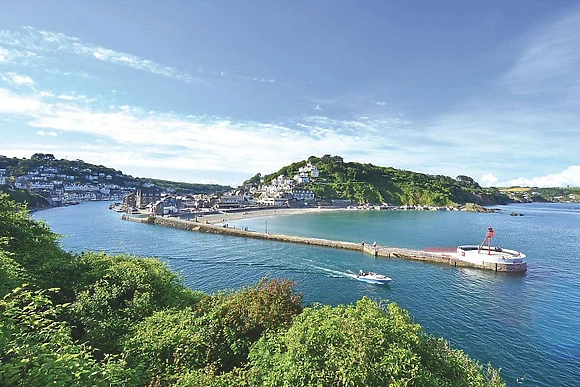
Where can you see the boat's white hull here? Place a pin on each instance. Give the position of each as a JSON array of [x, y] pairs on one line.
[[377, 279]]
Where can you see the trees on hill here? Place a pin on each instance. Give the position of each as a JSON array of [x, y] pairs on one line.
[[99, 320], [368, 183]]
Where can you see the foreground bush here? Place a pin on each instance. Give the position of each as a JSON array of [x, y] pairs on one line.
[[217, 334], [360, 345], [36, 348], [113, 293]]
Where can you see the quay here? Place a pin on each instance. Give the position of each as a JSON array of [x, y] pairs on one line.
[[376, 251]]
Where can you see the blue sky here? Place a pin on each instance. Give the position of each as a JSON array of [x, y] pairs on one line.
[[216, 91]]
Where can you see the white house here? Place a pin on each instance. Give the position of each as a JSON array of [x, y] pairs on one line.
[[40, 186], [267, 201], [301, 194], [309, 170]]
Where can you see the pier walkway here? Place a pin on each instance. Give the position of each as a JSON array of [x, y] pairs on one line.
[[376, 251]]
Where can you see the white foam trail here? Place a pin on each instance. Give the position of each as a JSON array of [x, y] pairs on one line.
[[335, 272]]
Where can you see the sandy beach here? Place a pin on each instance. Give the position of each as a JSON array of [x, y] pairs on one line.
[[225, 217]]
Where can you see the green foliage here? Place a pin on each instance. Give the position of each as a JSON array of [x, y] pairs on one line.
[[185, 188], [20, 232], [216, 334], [33, 249], [36, 348], [113, 293], [567, 194], [367, 183], [254, 180], [29, 242], [22, 196], [11, 273], [18, 167], [359, 345]]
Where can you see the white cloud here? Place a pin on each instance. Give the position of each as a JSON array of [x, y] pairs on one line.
[[18, 79], [489, 180], [45, 93], [532, 113], [12, 104], [32, 41], [121, 136], [45, 41], [215, 144], [568, 177], [15, 56], [22, 80], [380, 103], [4, 54], [317, 107], [43, 133], [262, 80]]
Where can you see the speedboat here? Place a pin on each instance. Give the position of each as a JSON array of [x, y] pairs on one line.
[[373, 278]]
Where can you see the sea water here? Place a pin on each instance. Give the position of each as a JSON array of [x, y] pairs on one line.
[[526, 324]]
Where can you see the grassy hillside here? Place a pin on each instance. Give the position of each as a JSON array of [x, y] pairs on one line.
[[368, 183]]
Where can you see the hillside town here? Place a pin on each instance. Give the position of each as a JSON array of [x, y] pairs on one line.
[[62, 189], [281, 191], [75, 185], [63, 183]]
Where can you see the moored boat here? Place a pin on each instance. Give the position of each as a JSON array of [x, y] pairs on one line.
[[373, 278]]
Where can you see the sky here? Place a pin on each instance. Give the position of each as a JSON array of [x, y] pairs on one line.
[[217, 91]]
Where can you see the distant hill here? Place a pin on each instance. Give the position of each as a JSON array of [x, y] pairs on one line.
[[181, 187], [368, 183], [80, 171], [555, 195]]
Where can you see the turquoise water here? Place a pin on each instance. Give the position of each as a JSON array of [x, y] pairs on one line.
[[529, 325]]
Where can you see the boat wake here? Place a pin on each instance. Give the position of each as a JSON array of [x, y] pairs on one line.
[[335, 273]]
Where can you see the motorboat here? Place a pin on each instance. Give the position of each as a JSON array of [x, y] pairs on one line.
[[373, 278]]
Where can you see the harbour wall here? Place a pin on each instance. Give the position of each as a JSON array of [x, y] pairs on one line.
[[376, 251]]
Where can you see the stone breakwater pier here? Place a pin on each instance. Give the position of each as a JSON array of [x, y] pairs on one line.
[[376, 250]]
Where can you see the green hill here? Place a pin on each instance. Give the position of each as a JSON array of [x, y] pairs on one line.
[[80, 170], [368, 183]]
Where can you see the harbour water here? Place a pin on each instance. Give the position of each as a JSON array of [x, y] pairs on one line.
[[528, 325]]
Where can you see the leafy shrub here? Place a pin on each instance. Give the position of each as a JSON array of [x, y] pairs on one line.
[[217, 333], [115, 292], [36, 348], [359, 346]]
